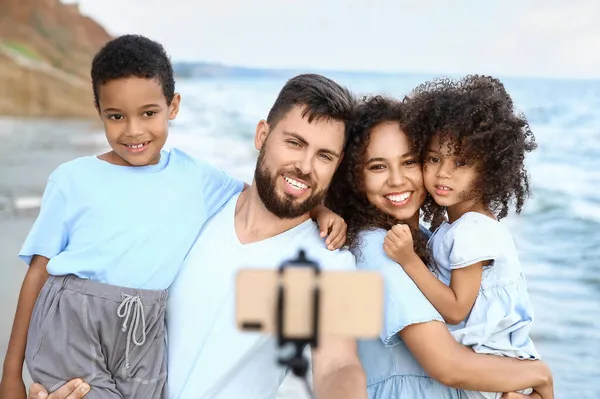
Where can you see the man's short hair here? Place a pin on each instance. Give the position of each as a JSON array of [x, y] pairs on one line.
[[321, 97]]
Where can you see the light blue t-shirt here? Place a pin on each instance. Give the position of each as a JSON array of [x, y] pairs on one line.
[[209, 357], [391, 369], [125, 225]]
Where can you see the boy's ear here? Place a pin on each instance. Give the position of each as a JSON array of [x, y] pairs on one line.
[[174, 107]]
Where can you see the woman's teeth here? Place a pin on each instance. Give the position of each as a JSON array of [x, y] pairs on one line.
[[398, 197]]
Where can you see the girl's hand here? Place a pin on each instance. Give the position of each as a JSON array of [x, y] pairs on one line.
[[398, 244]]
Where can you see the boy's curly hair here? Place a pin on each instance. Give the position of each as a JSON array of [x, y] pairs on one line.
[[132, 56], [478, 115], [346, 195]]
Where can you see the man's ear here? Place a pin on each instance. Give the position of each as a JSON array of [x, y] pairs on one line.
[[262, 131]]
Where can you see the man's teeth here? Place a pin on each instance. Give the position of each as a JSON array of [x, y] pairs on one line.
[[444, 188], [295, 183], [136, 146], [398, 197]]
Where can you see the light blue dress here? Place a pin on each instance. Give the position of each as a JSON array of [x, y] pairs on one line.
[[500, 320], [392, 372]]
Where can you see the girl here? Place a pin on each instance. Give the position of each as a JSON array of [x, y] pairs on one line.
[[473, 169]]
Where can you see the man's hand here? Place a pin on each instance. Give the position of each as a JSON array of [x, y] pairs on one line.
[[12, 388], [398, 244], [331, 226], [74, 389]]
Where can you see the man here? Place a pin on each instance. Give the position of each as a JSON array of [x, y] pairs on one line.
[[300, 146]]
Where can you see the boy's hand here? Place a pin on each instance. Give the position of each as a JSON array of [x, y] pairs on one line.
[[398, 244], [331, 226], [12, 388]]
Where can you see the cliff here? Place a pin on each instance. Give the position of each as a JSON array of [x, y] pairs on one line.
[[46, 49]]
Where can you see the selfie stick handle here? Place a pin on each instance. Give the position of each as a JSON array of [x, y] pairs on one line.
[[297, 362]]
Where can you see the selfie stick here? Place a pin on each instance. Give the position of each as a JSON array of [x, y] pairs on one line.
[[297, 362]]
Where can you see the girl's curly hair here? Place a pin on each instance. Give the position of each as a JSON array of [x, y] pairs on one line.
[[478, 114], [346, 195]]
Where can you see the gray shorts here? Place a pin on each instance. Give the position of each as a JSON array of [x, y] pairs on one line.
[[111, 337]]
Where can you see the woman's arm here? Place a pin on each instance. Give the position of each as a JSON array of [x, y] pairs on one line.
[[457, 366]]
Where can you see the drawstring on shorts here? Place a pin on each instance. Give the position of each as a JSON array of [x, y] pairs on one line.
[[132, 304]]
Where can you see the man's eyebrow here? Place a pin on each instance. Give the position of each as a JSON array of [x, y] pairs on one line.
[[304, 142], [296, 136]]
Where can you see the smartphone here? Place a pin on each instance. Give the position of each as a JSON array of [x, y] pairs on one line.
[[350, 304]]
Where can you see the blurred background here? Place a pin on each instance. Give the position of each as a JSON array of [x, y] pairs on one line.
[[231, 59]]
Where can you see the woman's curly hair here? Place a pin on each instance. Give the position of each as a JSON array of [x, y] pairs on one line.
[[478, 115], [346, 195]]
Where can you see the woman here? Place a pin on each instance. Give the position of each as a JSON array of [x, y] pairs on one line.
[[380, 184]]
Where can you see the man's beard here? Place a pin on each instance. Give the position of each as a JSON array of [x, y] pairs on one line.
[[287, 207]]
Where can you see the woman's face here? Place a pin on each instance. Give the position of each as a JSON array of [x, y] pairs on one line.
[[393, 180]]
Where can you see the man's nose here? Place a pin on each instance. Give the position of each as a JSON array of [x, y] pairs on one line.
[[304, 164]]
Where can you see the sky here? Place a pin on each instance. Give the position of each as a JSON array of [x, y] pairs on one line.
[[544, 38]]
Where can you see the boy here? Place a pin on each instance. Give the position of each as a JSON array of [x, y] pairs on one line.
[[111, 235]]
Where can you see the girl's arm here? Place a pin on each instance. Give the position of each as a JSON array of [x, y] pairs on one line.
[[457, 366], [454, 302]]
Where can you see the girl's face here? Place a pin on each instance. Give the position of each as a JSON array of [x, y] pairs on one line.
[[393, 180], [449, 178]]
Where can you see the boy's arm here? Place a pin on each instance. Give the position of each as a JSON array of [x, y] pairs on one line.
[[455, 302], [32, 285]]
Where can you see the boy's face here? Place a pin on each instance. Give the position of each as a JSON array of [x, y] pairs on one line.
[[136, 119]]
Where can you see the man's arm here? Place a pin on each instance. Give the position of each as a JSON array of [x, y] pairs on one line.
[[15, 356], [337, 371], [457, 366]]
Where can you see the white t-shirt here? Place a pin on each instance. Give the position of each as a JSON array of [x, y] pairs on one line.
[[208, 356]]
